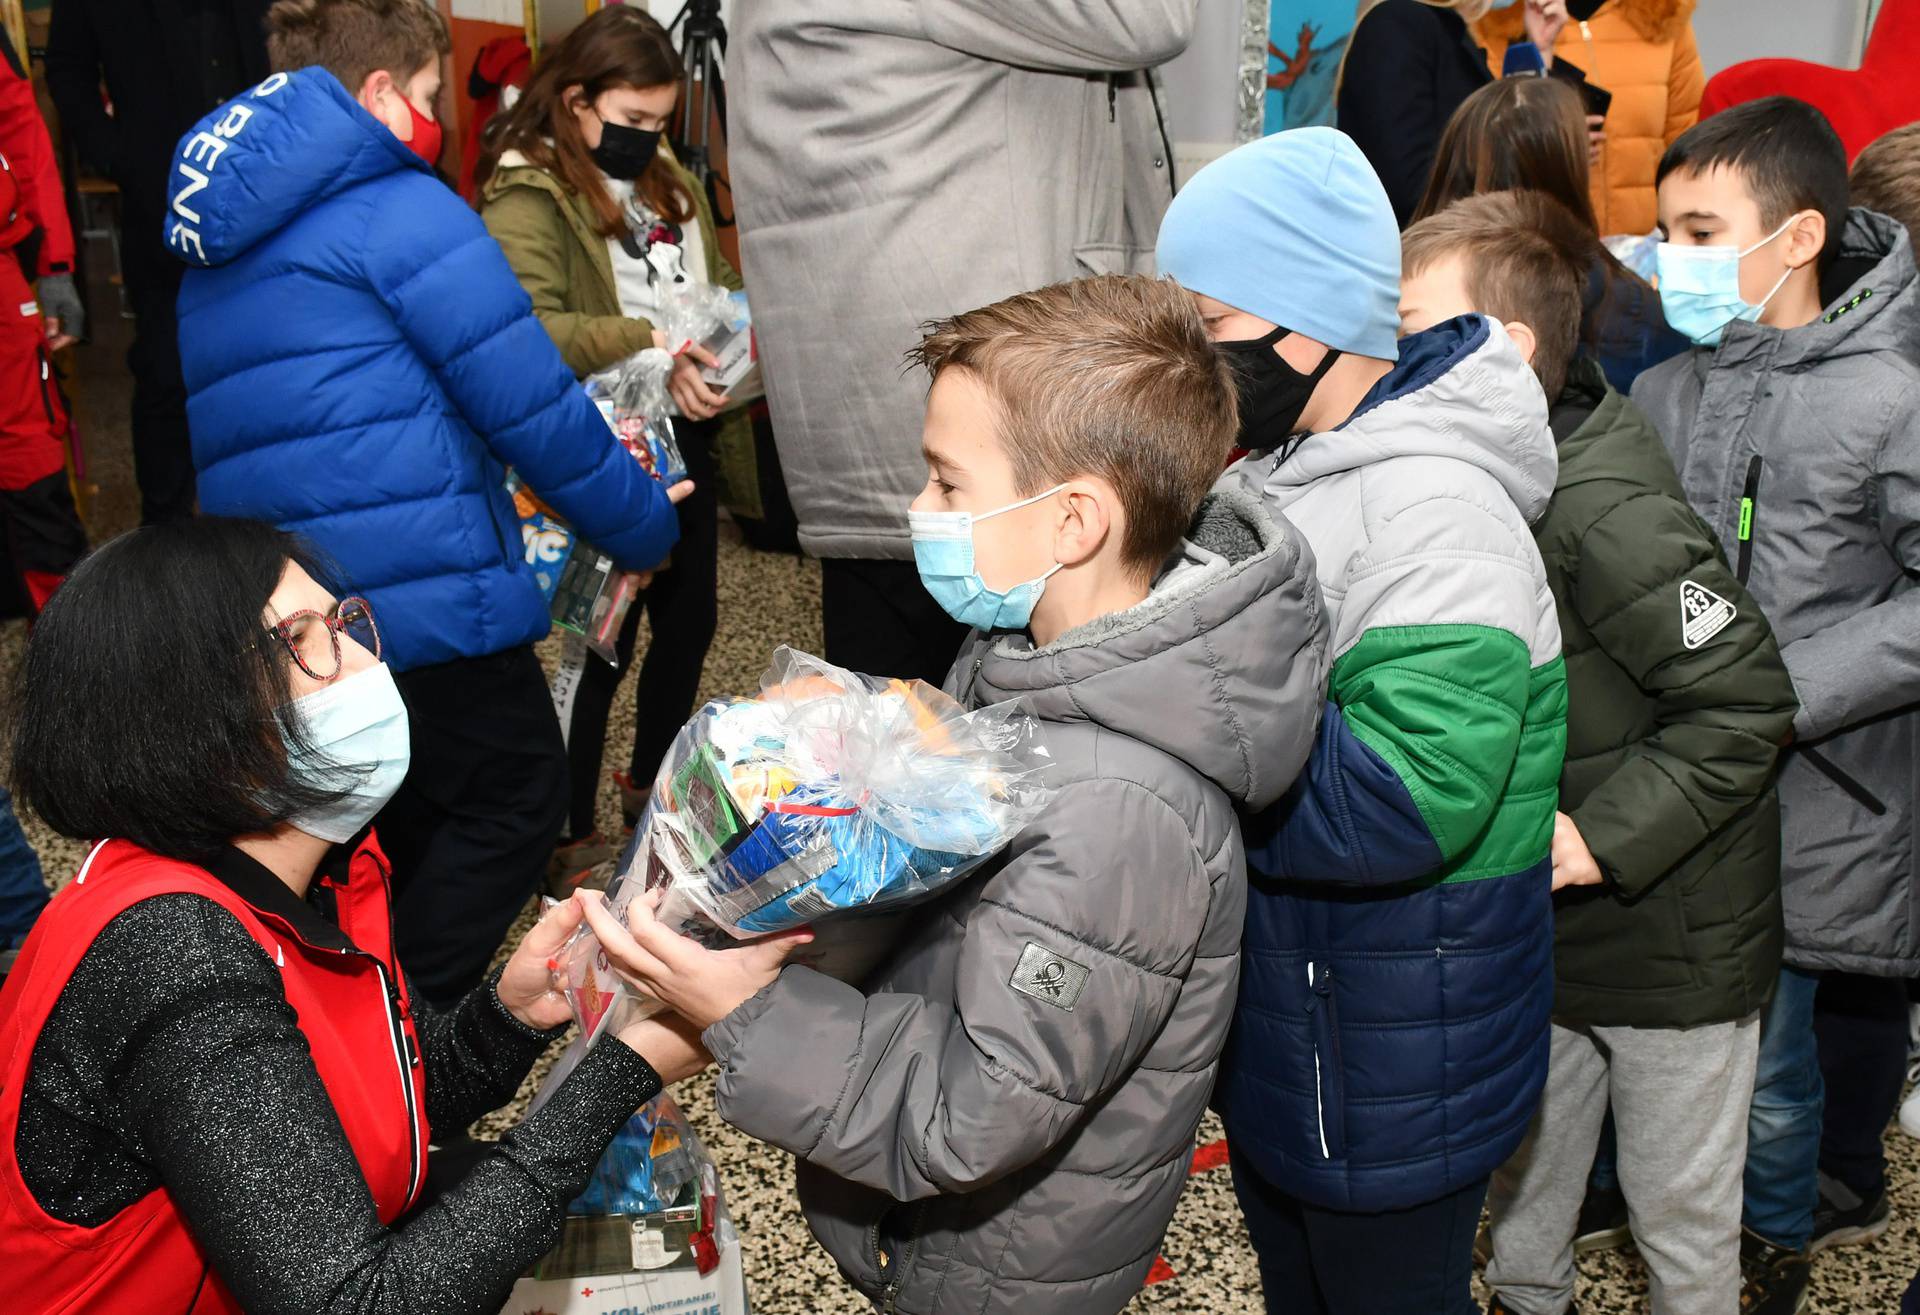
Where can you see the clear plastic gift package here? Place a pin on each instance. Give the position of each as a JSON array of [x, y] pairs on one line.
[[829, 800]]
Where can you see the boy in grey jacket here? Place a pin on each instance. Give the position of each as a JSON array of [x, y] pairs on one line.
[[1001, 1120], [1795, 426]]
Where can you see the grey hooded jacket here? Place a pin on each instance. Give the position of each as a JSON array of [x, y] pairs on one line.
[[1817, 431], [1002, 1122]]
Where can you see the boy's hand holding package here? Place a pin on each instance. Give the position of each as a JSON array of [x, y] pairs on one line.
[[1573, 862], [701, 985]]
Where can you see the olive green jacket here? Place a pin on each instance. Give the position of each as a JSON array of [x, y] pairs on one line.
[[1677, 703], [561, 259]]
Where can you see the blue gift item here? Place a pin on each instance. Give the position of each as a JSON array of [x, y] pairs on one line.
[[651, 1158], [549, 543]]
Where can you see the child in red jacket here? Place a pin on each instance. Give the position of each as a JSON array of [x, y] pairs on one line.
[[43, 533]]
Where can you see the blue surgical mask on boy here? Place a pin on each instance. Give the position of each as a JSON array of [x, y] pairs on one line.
[[1700, 287], [357, 741], [943, 550]]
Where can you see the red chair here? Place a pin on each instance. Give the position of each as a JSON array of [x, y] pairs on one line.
[[1882, 94]]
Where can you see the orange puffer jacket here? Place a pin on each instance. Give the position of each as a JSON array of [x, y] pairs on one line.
[[1643, 52]]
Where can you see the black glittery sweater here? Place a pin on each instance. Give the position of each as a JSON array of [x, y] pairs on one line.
[[172, 1059]]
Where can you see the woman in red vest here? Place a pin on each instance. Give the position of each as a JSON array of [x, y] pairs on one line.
[[216, 1090]]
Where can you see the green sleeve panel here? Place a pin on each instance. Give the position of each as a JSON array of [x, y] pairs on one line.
[[1445, 706]]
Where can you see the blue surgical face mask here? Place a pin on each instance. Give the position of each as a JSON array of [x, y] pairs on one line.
[[1700, 287], [356, 732], [943, 550]]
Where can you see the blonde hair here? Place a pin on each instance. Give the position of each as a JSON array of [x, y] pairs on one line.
[[1886, 177], [1111, 376]]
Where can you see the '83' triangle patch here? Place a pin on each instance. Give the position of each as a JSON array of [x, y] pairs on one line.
[[1703, 614]]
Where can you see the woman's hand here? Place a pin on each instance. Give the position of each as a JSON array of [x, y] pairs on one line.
[[1544, 19], [702, 985], [696, 399], [526, 986], [668, 1042]]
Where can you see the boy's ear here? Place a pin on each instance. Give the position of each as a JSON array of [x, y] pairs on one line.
[[373, 88], [1524, 339], [1086, 520], [1806, 239]]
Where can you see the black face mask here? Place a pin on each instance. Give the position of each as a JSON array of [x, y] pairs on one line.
[[624, 152], [1272, 393]]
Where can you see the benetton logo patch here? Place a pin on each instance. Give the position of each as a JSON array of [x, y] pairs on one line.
[[1048, 977], [1703, 614]]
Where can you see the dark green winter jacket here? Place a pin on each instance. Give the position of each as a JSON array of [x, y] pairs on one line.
[[1677, 702]]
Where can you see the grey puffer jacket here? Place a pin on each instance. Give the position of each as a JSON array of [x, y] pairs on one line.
[[1817, 429], [1002, 1122]]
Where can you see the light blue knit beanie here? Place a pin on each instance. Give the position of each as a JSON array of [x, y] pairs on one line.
[[1296, 229]]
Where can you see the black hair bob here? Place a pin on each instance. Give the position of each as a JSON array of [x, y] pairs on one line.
[[148, 707]]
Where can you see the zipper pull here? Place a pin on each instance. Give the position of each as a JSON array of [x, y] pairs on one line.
[[1113, 94], [1746, 520], [413, 1049]]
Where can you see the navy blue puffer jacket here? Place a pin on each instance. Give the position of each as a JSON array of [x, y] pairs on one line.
[[362, 366]]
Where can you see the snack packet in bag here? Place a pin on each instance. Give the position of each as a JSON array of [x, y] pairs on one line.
[[830, 799]]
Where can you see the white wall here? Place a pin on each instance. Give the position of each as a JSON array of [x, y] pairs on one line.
[[1822, 31]]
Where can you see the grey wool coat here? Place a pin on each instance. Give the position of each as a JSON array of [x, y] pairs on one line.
[[1816, 431], [895, 161], [1002, 1121]]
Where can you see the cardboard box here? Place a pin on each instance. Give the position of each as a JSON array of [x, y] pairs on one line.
[[675, 1291]]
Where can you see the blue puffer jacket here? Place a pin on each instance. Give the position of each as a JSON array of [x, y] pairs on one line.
[[362, 366]]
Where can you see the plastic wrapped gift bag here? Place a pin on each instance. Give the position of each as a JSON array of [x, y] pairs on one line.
[[826, 800]]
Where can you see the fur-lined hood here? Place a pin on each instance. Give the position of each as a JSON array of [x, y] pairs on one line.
[[1654, 20]]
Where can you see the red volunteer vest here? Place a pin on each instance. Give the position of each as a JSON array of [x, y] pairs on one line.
[[352, 1006]]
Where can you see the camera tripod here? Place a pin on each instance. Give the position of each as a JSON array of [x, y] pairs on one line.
[[703, 93]]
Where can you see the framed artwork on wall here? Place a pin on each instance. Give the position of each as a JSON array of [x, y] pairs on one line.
[[1290, 54]]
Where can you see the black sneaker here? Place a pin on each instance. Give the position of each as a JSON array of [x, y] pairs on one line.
[[1773, 1280], [1845, 1219], [1603, 1221]]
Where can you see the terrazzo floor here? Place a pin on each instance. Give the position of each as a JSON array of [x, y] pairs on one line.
[[766, 600]]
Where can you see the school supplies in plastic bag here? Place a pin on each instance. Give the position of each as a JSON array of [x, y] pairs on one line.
[[592, 599], [632, 399], [828, 799], [650, 1159]]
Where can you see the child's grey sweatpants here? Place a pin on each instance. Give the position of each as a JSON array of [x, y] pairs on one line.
[[1680, 1098]]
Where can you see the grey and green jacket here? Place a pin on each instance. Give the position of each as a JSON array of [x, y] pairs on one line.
[[1391, 1040], [1801, 449], [1676, 705], [971, 1140]]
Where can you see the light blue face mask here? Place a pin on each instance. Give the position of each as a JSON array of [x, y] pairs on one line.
[[357, 738], [1700, 287], [943, 550]]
